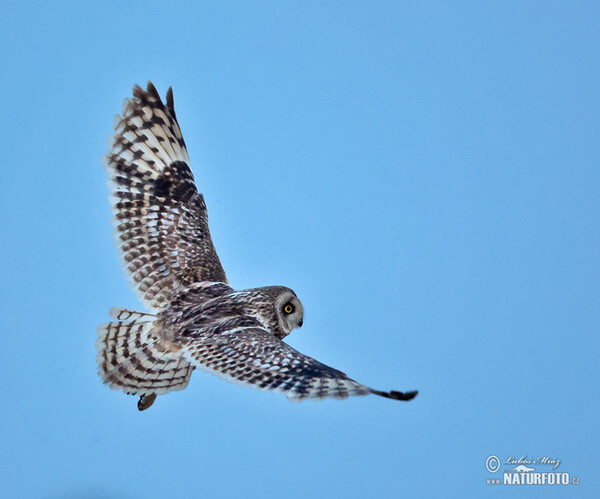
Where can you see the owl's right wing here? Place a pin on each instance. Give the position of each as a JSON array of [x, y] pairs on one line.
[[160, 217], [249, 355]]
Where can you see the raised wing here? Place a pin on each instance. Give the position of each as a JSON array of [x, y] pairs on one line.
[[161, 220], [247, 354]]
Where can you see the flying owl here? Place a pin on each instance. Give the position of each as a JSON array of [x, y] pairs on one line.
[[196, 319]]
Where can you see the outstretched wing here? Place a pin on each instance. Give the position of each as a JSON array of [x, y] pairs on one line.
[[249, 355], [161, 220]]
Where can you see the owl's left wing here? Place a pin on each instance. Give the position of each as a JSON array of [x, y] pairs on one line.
[[249, 355]]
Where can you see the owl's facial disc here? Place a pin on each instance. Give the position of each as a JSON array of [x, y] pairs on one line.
[[290, 312]]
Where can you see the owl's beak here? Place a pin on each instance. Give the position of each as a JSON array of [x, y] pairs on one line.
[[300, 322]]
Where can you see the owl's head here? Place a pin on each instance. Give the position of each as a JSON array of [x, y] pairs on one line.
[[288, 310]]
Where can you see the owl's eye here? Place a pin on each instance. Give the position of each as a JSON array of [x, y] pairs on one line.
[[288, 308]]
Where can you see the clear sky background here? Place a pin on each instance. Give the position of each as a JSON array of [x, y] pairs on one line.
[[425, 176]]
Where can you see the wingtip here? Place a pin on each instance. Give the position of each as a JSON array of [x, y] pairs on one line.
[[151, 89], [395, 395], [145, 95], [170, 102], [137, 91]]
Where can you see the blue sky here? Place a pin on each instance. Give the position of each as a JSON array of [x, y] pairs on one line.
[[425, 176]]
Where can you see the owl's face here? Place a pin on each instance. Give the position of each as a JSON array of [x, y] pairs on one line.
[[289, 311]]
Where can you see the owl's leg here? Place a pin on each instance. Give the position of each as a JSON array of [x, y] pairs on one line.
[[146, 401]]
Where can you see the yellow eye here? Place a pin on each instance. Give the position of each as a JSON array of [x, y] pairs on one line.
[[288, 308]]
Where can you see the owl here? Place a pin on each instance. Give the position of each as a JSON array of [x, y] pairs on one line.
[[195, 319]]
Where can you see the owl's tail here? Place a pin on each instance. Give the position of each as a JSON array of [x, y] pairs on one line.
[[135, 358]]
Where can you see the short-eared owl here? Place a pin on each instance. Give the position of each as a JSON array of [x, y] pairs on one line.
[[196, 319]]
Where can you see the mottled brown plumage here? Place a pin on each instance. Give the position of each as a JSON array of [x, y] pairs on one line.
[[198, 320]]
